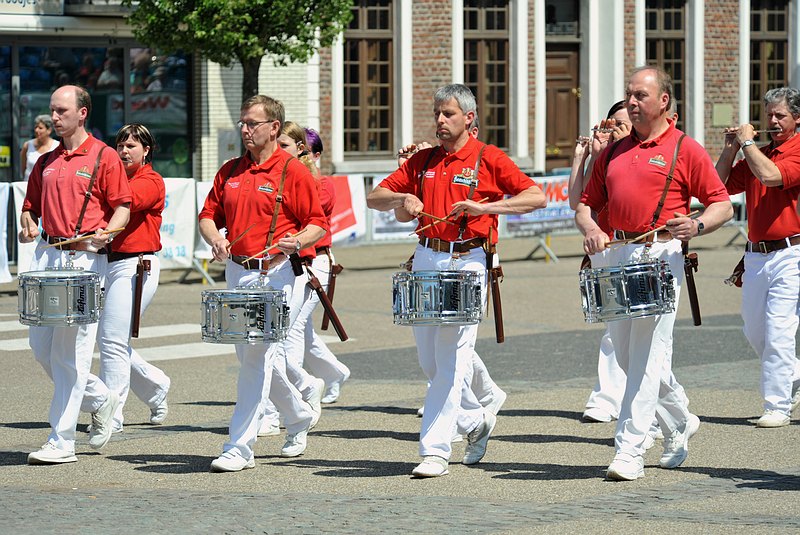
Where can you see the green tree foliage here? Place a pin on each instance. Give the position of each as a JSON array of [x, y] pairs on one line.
[[245, 30]]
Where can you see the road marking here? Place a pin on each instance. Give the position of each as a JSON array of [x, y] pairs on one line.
[[158, 331]]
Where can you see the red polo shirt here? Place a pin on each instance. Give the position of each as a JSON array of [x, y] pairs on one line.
[[248, 197], [447, 180], [771, 211], [56, 193], [143, 232], [633, 181]]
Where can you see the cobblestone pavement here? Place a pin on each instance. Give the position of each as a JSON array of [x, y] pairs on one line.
[[543, 471]]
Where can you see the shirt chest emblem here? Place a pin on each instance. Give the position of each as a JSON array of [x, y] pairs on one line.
[[657, 160], [266, 188], [466, 177], [84, 172], [232, 185], [430, 174]]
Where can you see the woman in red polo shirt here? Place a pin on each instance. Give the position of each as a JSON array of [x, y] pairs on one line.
[[121, 367]]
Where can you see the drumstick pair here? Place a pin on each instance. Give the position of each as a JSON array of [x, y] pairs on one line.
[[83, 238], [273, 247], [236, 239], [647, 234], [439, 219]]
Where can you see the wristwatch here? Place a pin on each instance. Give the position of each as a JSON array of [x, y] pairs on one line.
[[700, 227], [748, 143]]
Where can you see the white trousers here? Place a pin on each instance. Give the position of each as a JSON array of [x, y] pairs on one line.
[[304, 345], [65, 353], [262, 372], [446, 356], [121, 367], [610, 387], [644, 352], [770, 291]]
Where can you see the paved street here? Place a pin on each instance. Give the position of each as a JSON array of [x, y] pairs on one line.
[[543, 471]]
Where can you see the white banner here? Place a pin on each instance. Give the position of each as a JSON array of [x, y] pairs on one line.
[[348, 221], [557, 215], [386, 227], [178, 224], [24, 250], [5, 274]]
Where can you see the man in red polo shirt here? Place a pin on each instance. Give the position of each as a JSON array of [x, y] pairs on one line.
[[770, 178], [246, 192], [629, 185], [439, 181], [56, 194]]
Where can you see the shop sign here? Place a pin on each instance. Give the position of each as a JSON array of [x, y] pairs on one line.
[[32, 7]]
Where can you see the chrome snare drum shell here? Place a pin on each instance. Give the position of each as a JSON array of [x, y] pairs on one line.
[[628, 291], [436, 298], [59, 297], [244, 315]]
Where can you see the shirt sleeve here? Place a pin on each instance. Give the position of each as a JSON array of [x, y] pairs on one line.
[[737, 178], [113, 179], [213, 208], [509, 178], [705, 182], [147, 189], [789, 166], [327, 195], [33, 193], [405, 178]]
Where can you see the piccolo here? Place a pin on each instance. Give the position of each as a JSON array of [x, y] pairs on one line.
[[602, 130], [766, 131]]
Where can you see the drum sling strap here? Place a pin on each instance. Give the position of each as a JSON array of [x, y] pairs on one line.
[[690, 260], [274, 223], [88, 194]]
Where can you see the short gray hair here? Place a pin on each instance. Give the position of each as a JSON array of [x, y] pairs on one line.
[[460, 92], [789, 95], [45, 119]]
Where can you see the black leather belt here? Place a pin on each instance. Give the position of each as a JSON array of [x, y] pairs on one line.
[[769, 246], [443, 246], [113, 256], [325, 250], [662, 235]]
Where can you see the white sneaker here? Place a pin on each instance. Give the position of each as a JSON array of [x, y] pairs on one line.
[[420, 412], [269, 429], [498, 398], [431, 466], [676, 446], [795, 395], [625, 467], [593, 414], [295, 444], [102, 422], [333, 389], [314, 398], [231, 461], [159, 414], [478, 438], [772, 418], [457, 437], [50, 454]]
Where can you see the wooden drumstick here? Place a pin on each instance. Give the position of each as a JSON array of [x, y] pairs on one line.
[[437, 219], [645, 235], [83, 238], [271, 247], [426, 227]]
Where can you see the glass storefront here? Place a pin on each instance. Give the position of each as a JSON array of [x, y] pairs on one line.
[[127, 84]]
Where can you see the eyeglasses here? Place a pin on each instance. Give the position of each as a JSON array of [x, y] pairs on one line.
[[251, 125]]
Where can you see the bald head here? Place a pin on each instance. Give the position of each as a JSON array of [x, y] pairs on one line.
[[70, 106]]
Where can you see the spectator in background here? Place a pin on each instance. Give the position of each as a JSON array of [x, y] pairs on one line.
[[41, 143]]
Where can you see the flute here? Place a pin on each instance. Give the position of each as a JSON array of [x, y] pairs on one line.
[[765, 131]]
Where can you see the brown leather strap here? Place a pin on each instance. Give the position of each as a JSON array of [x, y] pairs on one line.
[[138, 290], [88, 194], [315, 285], [669, 181], [278, 201], [462, 225]]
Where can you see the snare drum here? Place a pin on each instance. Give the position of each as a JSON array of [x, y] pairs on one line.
[[629, 291], [245, 315], [59, 297], [436, 298]]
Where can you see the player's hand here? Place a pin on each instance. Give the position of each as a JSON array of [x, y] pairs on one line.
[[219, 249], [289, 245], [412, 205], [595, 241], [681, 227]]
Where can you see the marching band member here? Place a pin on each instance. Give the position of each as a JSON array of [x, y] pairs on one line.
[[770, 178], [132, 275], [448, 181], [57, 193], [633, 183], [270, 189]]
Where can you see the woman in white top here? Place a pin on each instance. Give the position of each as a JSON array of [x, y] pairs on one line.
[[40, 144]]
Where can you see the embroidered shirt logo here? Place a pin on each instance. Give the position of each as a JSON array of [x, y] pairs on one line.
[[232, 185], [48, 171], [657, 160], [467, 172], [430, 174], [83, 172], [266, 188]]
